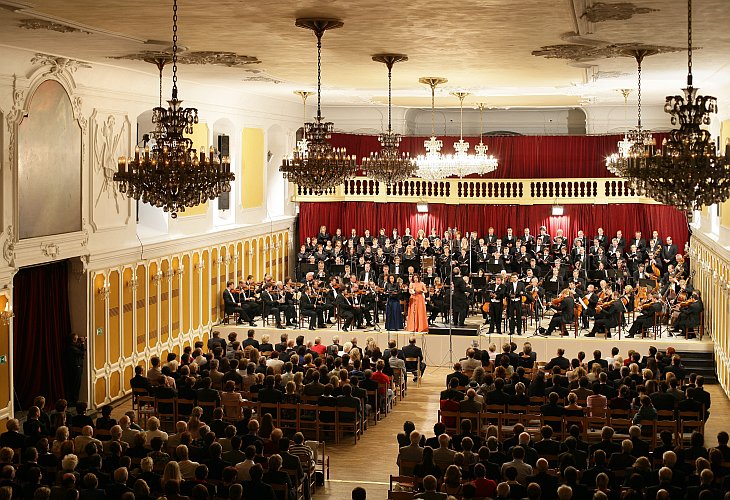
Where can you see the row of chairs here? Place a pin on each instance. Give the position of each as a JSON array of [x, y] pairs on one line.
[[681, 424]]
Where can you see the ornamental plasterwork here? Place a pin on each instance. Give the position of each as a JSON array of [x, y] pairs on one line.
[[262, 78], [108, 142], [581, 52], [9, 247], [42, 24], [227, 59], [12, 119], [57, 65], [601, 11]]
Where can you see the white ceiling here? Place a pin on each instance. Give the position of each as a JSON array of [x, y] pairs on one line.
[[482, 46]]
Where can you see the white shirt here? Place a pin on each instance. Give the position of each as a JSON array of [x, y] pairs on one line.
[[243, 468]]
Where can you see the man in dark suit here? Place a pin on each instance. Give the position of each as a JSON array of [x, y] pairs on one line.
[[597, 359], [548, 482], [560, 361], [231, 306], [701, 395], [495, 295], [12, 438], [458, 300], [564, 315], [139, 381], [515, 292], [669, 253], [208, 395], [665, 483], [270, 306], [413, 351], [547, 445], [572, 456], [250, 340], [268, 393], [308, 308]]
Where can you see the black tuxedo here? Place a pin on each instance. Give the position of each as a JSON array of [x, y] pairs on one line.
[[232, 307], [514, 293], [459, 301], [563, 316], [495, 307]]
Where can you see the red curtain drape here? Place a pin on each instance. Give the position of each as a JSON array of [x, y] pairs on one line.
[[41, 328], [520, 157], [626, 217]]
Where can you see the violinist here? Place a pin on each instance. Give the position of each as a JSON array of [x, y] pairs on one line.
[[496, 295], [249, 302], [367, 274], [579, 281], [270, 305], [309, 308], [536, 296], [393, 308], [641, 274], [231, 306], [564, 305], [647, 317], [346, 310], [286, 300], [588, 303], [435, 303], [321, 272], [689, 315], [515, 295], [607, 315]]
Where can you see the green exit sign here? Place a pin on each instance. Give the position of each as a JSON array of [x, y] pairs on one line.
[[99, 331], [3, 359]]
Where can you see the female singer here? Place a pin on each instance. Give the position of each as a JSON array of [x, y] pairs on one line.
[[393, 309], [417, 318]]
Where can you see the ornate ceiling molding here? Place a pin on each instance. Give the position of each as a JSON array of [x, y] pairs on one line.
[[205, 57], [262, 78], [581, 53], [600, 11], [42, 24], [58, 65]]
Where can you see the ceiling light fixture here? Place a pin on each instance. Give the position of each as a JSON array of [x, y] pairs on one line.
[[320, 166], [431, 166], [389, 165], [171, 176], [637, 144], [687, 172]]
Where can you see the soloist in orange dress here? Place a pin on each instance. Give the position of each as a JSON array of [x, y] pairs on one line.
[[417, 317]]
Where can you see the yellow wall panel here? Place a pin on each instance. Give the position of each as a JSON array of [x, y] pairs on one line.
[[245, 258], [114, 316], [99, 316], [175, 299], [205, 287], [3, 424], [200, 141], [239, 263], [186, 303], [128, 374], [165, 301], [252, 167], [141, 308], [215, 269], [114, 384], [99, 391], [259, 256], [196, 291], [152, 304], [127, 315]]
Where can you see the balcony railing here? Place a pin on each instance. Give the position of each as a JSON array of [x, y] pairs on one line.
[[480, 191]]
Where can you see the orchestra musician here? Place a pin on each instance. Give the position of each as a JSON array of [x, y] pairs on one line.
[[689, 315], [607, 315], [564, 305], [647, 317], [588, 303], [515, 294], [309, 308], [232, 307], [459, 299], [496, 296], [270, 305]]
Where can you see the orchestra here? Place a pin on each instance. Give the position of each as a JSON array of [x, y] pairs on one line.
[[362, 279]]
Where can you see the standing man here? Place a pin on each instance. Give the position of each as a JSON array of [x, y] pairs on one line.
[[515, 292], [459, 302], [495, 305], [75, 354]]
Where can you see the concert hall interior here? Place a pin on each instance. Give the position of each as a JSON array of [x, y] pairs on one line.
[[331, 184]]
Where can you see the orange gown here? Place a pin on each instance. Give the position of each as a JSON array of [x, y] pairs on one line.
[[417, 317]]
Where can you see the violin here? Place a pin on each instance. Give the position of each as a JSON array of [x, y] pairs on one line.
[[557, 301]]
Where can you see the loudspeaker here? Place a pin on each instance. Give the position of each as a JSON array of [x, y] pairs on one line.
[[224, 199], [223, 147]]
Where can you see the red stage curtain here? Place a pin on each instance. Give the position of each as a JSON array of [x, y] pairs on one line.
[[41, 328], [520, 157], [626, 217]]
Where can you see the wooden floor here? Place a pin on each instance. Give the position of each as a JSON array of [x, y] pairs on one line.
[[372, 460]]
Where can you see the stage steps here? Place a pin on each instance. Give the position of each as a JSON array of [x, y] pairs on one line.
[[701, 363]]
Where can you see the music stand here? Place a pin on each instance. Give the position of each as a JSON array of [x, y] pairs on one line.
[[551, 287], [307, 268], [494, 269], [338, 270], [647, 282]]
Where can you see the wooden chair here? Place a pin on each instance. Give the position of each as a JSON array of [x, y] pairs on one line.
[[488, 418], [145, 409], [556, 423], [351, 423], [447, 417], [166, 411], [374, 402], [184, 408], [308, 424], [399, 379], [689, 421], [136, 393], [270, 408], [280, 490], [289, 417], [400, 495], [208, 407], [417, 373], [327, 421], [296, 481]]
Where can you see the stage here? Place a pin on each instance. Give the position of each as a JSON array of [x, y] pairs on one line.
[[442, 349]]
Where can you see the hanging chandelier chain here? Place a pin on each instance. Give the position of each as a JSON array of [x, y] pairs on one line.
[[433, 109], [638, 60], [481, 122], [390, 95], [161, 69], [461, 116], [319, 72], [689, 43], [174, 49]]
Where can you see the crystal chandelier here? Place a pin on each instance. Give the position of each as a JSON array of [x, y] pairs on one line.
[[389, 165], [303, 143], [320, 166], [480, 163], [170, 175], [431, 166], [687, 172], [637, 144]]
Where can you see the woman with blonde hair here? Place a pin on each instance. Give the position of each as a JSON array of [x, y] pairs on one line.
[[62, 436], [452, 481], [299, 382], [171, 473]]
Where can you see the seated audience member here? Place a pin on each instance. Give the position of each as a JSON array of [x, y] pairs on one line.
[[430, 483], [409, 456]]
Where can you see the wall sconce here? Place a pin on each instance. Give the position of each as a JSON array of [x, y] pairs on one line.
[[157, 277], [267, 248], [6, 315], [104, 290], [179, 271], [219, 260], [200, 266], [236, 256], [133, 283], [250, 252]]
